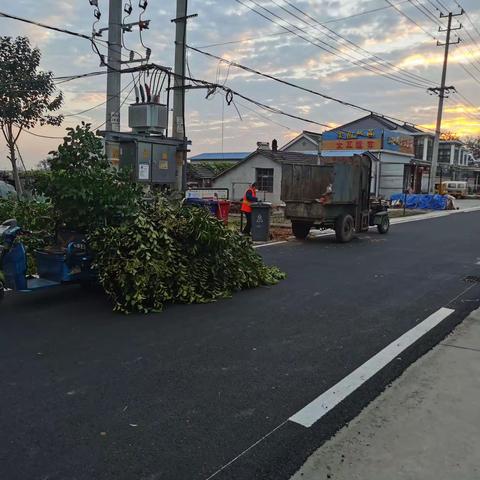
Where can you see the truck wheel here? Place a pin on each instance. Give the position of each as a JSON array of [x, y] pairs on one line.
[[344, 227], [301, 229], [384, 226], [2, 290]]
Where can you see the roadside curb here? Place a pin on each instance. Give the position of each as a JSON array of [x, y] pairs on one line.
[[430, 215]]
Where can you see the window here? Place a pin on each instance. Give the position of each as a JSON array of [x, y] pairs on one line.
[[444, 154], [418, 142], [264, 179]]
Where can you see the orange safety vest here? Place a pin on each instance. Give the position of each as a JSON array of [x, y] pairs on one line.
[[246, 204]]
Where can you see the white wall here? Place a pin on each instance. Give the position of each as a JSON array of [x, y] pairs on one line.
[[302, 145], [391, 173], [239, 178]]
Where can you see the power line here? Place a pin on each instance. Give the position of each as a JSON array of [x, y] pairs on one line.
[[469, 73], [470, 20], [43, 25], [128, 8], [327, 48], [355, 46], [290, 84], [425, 11], [401, 12], [467, 100], [442, 5], [61, 30], [324, 22], [260, 115], [99, 105], [462, 111], [123, 102], [69, 78], [472, 60], [43, 136], [434, 6], [471, 38], [79, 113]]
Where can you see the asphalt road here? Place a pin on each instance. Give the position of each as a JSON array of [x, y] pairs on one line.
[[87, 394]]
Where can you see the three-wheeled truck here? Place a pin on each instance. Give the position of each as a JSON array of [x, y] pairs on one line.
[[334, 194]]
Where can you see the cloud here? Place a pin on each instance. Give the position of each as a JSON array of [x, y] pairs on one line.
[[266, 47]]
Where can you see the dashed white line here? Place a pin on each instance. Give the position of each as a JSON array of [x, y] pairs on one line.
[[328, 400]]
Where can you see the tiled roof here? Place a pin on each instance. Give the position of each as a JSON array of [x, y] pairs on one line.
[[278, 156], [387, 123], [288, 157], [218, 157], [199, 171]]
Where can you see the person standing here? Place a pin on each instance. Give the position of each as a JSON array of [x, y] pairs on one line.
[[249, 198]]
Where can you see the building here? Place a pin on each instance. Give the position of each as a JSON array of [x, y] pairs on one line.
[[453, 152], [203, 168], [455, 162], [400, 152], [199, 175], [232, 157], [307, 142], [263, 166]]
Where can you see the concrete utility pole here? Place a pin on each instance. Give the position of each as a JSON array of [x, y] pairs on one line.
[[179, 89], [442, 92], [114, 76], [114, 80]]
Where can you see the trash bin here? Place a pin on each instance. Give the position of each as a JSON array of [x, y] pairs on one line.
[[261, 221], [223, 210], [212, 205]]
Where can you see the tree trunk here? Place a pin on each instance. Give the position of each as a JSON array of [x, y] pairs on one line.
[[13, 161], [16, 176]]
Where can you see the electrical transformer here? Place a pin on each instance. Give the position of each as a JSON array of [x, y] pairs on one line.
[[150, 161]]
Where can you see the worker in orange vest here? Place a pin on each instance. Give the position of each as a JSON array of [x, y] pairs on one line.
[[249, 198]]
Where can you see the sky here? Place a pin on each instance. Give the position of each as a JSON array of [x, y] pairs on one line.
[[376, 36]]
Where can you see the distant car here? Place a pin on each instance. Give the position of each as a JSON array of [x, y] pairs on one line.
[[456, 189], [6, 190]]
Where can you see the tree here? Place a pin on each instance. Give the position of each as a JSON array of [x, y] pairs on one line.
[[27, 95], [43, 164], [85, 190], [473, 145], [81, 150], [449, 137]]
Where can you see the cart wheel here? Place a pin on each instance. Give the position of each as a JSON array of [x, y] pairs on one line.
[[384, 226], [301, 229], [344, 227]]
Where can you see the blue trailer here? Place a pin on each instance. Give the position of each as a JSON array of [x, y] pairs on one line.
[[69, 262]]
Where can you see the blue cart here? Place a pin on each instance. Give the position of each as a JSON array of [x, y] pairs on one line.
[[70, 263]]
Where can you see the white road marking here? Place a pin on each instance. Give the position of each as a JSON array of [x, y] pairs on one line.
[[315, 410], [269, 244]]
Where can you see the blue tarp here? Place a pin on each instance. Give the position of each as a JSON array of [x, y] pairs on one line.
[[429, 202], [6, 190]]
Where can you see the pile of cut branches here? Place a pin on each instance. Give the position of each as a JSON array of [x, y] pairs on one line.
[[174, 254]]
